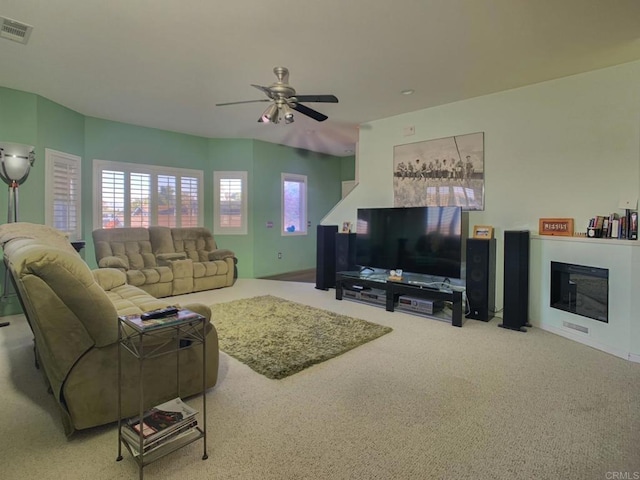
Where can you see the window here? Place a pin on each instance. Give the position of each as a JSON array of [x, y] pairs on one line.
[[230, 203], [62, 192], [133, 195], [294, 204]]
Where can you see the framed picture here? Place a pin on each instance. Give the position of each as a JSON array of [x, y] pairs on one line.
[[445, 172], [346, 227], [482, 231]]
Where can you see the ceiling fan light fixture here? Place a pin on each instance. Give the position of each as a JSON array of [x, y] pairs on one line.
[[285, 101], [288, 114], [270, 114]]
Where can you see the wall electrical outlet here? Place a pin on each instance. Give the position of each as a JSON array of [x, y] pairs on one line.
[[279, 255]]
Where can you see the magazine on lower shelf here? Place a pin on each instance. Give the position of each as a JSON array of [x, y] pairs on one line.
[[185, 433], [133, 439], [161, 420]]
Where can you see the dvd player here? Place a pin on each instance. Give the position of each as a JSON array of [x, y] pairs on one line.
[[369, 295], [420, 305]]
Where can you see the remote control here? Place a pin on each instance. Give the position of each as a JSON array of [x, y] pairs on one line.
[[159, 313]]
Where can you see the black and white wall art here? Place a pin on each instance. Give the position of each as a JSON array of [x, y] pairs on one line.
[[442, 172]]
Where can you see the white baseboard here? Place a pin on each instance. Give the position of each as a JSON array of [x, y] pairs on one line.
[[586, 340]]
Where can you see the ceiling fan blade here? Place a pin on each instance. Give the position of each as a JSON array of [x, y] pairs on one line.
[[309, 112], [266, 90], [244, 101], [317, 98]]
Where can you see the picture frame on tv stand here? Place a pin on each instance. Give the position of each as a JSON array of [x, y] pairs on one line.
[[483, 232]]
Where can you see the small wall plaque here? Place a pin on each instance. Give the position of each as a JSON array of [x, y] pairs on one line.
[[556, 226]]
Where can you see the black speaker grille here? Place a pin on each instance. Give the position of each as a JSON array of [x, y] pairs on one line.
[[516, 279], [326, 256], [481, 254]]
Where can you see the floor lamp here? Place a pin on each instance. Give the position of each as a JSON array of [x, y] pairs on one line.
[[15, 162]]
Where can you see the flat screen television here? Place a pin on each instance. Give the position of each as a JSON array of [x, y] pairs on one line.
[[421, 240]]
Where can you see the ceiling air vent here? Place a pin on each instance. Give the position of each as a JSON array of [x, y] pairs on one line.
[[13, 30]]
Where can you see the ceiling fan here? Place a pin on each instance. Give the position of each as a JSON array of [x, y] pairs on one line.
[[285, 100]]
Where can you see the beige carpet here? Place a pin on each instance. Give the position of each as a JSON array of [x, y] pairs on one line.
[[277, 337], [428, 401]]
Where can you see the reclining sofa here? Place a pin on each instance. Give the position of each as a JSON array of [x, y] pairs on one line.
[[166, 261], [73, 314]]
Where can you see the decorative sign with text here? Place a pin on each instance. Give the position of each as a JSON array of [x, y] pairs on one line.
[[556, 226]]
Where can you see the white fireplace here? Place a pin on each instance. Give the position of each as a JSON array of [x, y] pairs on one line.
[[619, 336]]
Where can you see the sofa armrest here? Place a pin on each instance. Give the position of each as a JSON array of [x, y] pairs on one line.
[[164, 259], [109, 278], [112, 262], [199, 308], [221, 254]]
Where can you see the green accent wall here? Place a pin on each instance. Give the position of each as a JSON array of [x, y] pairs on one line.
[[31, 119], [323, 192], [18, 124], [348, 168], [18, 119], [121, 142], [61, 129], [235, 155]]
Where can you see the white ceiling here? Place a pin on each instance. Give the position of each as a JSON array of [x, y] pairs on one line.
[[166, 63]]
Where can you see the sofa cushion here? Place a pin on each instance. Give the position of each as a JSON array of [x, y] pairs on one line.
[[161, 240], [196, 242], [149, 276], [129, 300], [221, 254], [109, 278], [114, 262], [137, 254], [209, 269], [21, 233], [131, 245], [71, 280]]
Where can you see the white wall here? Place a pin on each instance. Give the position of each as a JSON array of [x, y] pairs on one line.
[[564, 148]]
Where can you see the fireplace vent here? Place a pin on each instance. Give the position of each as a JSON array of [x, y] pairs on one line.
[[573, 326]]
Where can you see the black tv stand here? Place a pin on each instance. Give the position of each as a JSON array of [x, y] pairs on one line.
[[393, 289]]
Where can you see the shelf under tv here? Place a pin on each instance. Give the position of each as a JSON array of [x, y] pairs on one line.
[[357, 282]]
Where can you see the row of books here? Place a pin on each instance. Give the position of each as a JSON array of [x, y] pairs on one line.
[[168, 422], [624, 227]]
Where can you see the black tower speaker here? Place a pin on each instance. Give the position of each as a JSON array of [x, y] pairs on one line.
[[481, 278], [345, 252], [516, 280], [326, 256]]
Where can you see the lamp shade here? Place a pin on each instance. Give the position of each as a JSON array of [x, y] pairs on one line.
[[15, 162]]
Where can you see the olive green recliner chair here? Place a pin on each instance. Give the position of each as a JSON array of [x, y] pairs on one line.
[[73, 313]]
